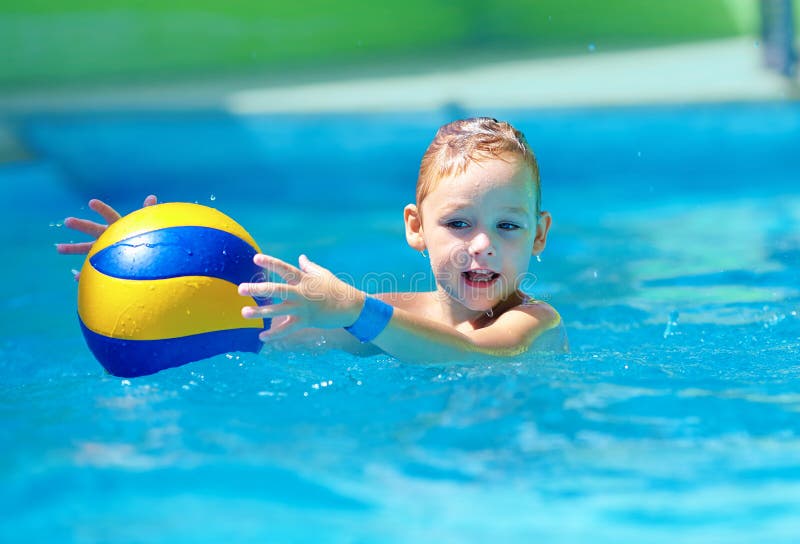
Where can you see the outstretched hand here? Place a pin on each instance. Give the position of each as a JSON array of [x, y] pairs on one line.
[[93, 229], [311, 297]]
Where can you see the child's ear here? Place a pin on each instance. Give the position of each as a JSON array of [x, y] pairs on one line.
[[542, 228], [413, 223]]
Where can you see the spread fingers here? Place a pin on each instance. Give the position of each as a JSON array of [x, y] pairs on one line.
[[74, 249], [106, 212], [289, 273], [270, 310], [85, 226], [267, 289]]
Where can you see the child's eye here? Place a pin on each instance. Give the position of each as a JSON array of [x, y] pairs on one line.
[[505, 225], [457, 224]]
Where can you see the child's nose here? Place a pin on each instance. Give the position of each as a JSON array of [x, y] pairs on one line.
[[481, 243]]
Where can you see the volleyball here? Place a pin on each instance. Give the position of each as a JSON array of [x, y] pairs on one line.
[[159, 289]]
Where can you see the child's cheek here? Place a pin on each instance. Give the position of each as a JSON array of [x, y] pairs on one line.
[[443, 269], [458, 257]]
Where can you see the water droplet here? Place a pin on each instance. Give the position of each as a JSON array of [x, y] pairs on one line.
[[213, 197], [538, 258], [672, 322]]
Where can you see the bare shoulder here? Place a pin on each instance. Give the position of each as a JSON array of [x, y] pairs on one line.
[[521, 328], [547, 332], [546, 316], [532, 325]]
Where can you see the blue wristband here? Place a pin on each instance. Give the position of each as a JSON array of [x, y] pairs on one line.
[[374, 317]]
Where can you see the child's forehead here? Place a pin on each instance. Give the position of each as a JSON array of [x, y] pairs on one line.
[[497, 178], [509, 195]]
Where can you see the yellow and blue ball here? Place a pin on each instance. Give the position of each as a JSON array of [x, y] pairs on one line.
[[159, 289]]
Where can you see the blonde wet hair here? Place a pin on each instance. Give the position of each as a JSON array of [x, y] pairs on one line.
[[466, 141]]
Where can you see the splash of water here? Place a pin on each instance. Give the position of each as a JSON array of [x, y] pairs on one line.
[[672, 322]]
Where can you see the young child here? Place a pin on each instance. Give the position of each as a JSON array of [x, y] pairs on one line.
[[478, 217]]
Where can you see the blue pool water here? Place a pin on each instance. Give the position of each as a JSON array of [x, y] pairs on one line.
[[673, 260]]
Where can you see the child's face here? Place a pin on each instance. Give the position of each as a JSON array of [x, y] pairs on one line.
[[481, 228]]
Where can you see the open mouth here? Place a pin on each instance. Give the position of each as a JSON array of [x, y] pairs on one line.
[[480, 278]]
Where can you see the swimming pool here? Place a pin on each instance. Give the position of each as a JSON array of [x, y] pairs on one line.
[[673, 260]]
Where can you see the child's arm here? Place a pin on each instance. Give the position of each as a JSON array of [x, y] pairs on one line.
[[91, 228], [419, 340], [313, 297]]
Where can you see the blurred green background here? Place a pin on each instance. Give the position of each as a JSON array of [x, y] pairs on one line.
[[86, 42]]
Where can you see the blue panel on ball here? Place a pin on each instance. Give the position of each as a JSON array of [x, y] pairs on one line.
[[133, 358], [179, 251]]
